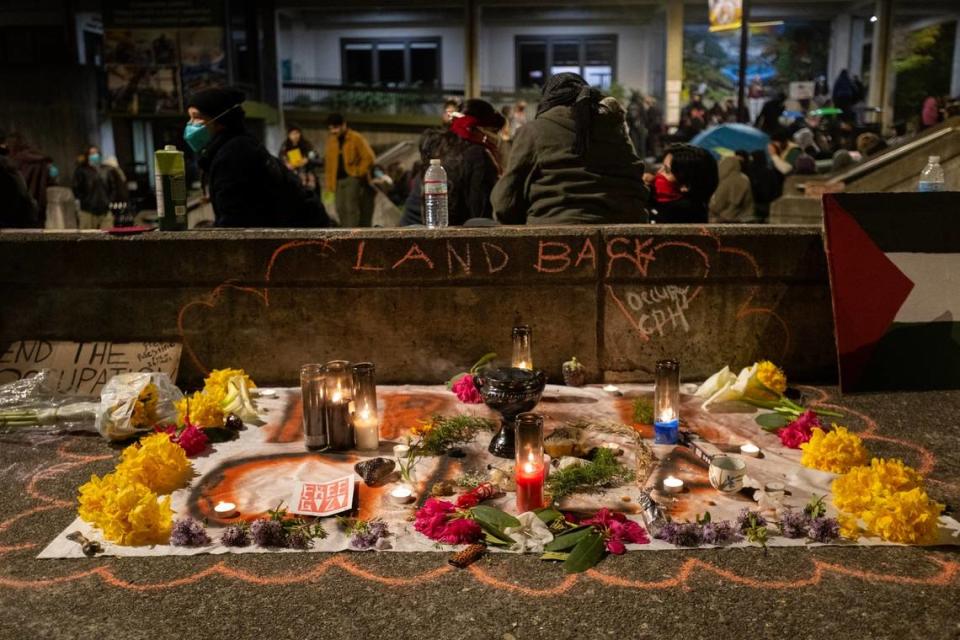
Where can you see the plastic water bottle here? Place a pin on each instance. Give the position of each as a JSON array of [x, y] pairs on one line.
[[931, 178], [435, 196]]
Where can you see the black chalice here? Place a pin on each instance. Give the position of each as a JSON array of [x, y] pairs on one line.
[[509, 391]]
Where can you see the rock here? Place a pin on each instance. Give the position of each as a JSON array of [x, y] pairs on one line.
[[375, 470]]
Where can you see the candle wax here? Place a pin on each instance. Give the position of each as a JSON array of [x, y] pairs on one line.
[[366, 428], [529, 487], [666, 432]]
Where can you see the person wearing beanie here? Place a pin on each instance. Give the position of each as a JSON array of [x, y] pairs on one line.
[[469, 150], [247, 186], [573, 164], [347, 165]]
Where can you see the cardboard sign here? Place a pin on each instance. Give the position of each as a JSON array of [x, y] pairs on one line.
[[84, 367], [894, 261], [323, 498]]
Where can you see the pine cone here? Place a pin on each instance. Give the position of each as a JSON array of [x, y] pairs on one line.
[[465, 558]]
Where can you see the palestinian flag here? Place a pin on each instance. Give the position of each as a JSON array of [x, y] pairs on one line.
[[894, 262]]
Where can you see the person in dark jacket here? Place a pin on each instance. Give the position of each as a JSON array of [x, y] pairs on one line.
[[769, 119], [574, 164], [468, 151], [247, 186], [18, 209], [683, 186], [766, 183], [90, 188]]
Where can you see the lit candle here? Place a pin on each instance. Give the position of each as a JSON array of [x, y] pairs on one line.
[[750, 449], [666, 401], [523, 364], [522, 348], [400, 451], [401, 495], [366, 428], [530, 476], [225, 509], [672, 485], [612, 389]]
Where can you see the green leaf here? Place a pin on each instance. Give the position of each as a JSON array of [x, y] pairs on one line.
[[588, 552], [493, 516], [548, 515], [555, 555], [772, 421], [568, 539], [455, 379], [495, 541]]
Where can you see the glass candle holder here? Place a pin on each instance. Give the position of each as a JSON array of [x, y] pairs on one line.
[[338, 387], [312, 394], [522, 347], [530, 471], [366, 422], [666, 402]]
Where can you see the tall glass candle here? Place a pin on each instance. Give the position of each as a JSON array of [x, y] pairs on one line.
[[338, 386], [522, 347], [312, 393], [366, 422], [666, 402], [530, 471]]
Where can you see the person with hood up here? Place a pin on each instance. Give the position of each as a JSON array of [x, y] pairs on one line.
[[733, 199], [248, 187], [683, 186], [468, 151], [573, 164], [17, 208]]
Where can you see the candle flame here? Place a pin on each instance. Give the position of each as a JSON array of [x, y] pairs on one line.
[[667, 415]]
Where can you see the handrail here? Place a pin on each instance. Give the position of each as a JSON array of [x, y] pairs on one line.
[[871, 164]]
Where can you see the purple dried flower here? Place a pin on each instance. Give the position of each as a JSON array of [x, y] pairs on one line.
[[268, 533], [235, 536], [681, 534], [368, 535], [794, 524], [298, 539], [824, 529], [747, 519], [720, 532], [187, 532]]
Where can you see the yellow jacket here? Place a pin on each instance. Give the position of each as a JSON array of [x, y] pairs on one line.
[[357, 158]]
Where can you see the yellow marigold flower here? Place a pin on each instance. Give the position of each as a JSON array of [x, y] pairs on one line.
[[145, 407], [216, 382], [771, 376], [127, 512], [157, 463], [421, 429], [204, 410], [849, 526], [837, 451], [856, 491], [908, 517]]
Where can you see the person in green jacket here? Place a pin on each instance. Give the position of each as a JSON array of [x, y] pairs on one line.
[[573, 164]]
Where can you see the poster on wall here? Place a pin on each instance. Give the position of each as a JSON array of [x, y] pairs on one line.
[[144, 47], [725, 14], [894, 263], [141, 90], [203, 61]]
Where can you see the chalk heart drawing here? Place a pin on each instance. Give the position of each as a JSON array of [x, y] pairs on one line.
[[940, 570], [659, 311]]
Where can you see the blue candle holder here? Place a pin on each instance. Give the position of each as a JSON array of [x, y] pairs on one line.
[[666, 432]]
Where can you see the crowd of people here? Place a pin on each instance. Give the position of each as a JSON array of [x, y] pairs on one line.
[[579, 159]]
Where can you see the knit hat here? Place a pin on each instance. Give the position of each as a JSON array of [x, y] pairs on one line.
[[214, 102]]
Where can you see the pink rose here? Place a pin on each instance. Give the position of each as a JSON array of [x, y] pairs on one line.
[[616, 547], [461, 531], [800, 430], [466, 391]]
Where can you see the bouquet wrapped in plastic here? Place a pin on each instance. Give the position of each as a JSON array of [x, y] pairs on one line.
[[130, 403]]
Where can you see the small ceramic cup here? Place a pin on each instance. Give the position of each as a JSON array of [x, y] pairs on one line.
[[726, 473]]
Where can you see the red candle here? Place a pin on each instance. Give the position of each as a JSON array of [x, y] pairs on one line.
[[529, 486]]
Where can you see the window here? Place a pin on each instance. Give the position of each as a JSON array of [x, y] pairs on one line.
[[593, 57], [391, 62]]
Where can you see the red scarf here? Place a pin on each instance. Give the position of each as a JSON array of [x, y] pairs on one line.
[[665, 189], [465, 127]]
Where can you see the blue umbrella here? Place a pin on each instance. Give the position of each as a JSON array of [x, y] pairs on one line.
[[725, 139]]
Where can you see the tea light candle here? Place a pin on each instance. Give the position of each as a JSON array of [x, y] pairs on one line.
[[225, 509], [400, 451], [612, 389], [366, 427], [672, 485], [750, 449], [401, 495]]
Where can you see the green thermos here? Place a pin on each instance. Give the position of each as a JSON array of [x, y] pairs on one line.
[[171, 186]]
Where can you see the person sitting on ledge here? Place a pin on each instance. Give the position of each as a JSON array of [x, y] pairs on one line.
[[573, 164], [684, 185], [469, 152], [248, 187]]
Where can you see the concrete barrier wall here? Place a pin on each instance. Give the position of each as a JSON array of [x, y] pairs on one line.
[[426, 304]]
